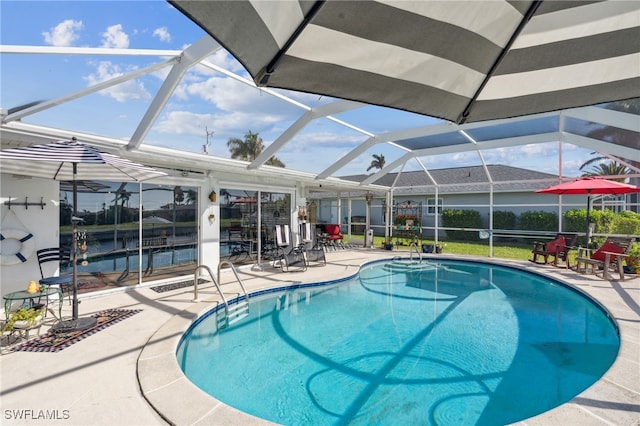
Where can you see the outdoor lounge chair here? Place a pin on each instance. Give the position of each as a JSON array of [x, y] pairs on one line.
[[287, 254], [313, 249], [558, 249], [610, 255]]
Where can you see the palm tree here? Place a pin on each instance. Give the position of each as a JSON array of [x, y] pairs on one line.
[[610, 168], [178, 195], [274, 161], [250, 148], [192, 196], [377, 162]]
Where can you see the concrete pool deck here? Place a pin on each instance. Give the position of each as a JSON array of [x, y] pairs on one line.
[[113, 376]]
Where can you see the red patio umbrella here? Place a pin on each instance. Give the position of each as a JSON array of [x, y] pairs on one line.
[[590, 185]]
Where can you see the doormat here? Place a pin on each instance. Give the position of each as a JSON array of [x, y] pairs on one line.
[[175, 286], [54, 342]]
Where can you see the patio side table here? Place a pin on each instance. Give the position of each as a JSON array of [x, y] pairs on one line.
[[30, 299]]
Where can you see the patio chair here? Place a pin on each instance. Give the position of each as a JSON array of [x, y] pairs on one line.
[[558, 249], [62, 282], [334, 235], [313, 249], [609, 256], [287, 254]]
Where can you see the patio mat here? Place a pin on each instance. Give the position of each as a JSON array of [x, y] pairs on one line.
[[54, 342], [174, 286]]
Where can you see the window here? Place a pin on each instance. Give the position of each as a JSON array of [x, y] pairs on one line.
[[431, 206]]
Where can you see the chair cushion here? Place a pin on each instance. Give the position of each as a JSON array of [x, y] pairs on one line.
[[610, 247], [332, 229], [551, 245]]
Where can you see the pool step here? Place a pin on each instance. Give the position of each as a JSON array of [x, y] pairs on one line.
[[233, 314], [408, 266]]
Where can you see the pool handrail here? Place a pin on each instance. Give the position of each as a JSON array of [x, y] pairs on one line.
[[196, 278], [235, 272], [412, 246], [242, 308]]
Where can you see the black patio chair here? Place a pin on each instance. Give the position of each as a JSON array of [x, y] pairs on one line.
[[62, 282]]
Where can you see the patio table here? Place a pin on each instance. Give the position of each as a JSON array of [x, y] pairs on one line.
[[30, 299]]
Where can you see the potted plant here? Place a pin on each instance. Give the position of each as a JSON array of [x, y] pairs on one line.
[[23, 319], [387, 244], [633, 260]]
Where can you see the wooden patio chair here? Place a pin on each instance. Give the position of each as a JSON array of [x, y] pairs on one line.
[[609, 256], [558, 249]]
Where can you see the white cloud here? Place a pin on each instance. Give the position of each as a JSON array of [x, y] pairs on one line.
[[63, 34], [163, 34], [130, 90], [115, 37]]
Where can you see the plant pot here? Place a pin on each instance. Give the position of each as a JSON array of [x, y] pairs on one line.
[[22, 324]]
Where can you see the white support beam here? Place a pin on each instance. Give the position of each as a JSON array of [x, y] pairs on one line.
[[372, 140], [479, 152], [191, 56], [41, 106], [449, 149], [388, 168], [621, 120], [388, 137], [602, 146], [94, 51], [492, 144], [313, 114]]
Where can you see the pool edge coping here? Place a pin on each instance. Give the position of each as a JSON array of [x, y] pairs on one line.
[[161, 379]]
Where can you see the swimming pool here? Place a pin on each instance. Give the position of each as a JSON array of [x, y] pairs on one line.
[[447, 342]]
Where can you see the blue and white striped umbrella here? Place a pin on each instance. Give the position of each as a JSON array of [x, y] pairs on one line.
[[56, 160]]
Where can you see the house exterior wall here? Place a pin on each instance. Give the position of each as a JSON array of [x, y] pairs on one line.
[[516, 202], [43, 223]]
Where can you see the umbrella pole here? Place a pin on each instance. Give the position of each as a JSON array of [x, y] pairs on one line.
[[588, 233], [74, 323]]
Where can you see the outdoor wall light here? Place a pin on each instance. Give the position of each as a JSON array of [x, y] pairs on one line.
[[213, 196]]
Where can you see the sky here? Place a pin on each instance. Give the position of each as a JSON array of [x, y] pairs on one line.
[[207, 108]]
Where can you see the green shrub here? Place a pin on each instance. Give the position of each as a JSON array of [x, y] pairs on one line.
[[574, 221], [539, 221], [462, 219], [504, 220], [625, 223], [604, 220]]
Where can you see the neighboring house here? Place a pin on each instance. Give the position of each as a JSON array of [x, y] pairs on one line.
[[464, 188]]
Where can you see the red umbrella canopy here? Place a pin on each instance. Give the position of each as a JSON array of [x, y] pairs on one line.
[[590, 185]]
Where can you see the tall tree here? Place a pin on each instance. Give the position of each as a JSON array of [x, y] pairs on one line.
[[178, 195], [377, 162], [609, 168], [250, 148]]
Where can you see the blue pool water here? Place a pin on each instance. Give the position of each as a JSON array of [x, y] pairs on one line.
[[443, 343]]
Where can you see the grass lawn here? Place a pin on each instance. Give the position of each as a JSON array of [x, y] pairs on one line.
[[504, 250]]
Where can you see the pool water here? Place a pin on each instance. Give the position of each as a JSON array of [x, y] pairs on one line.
[[441, 343]]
